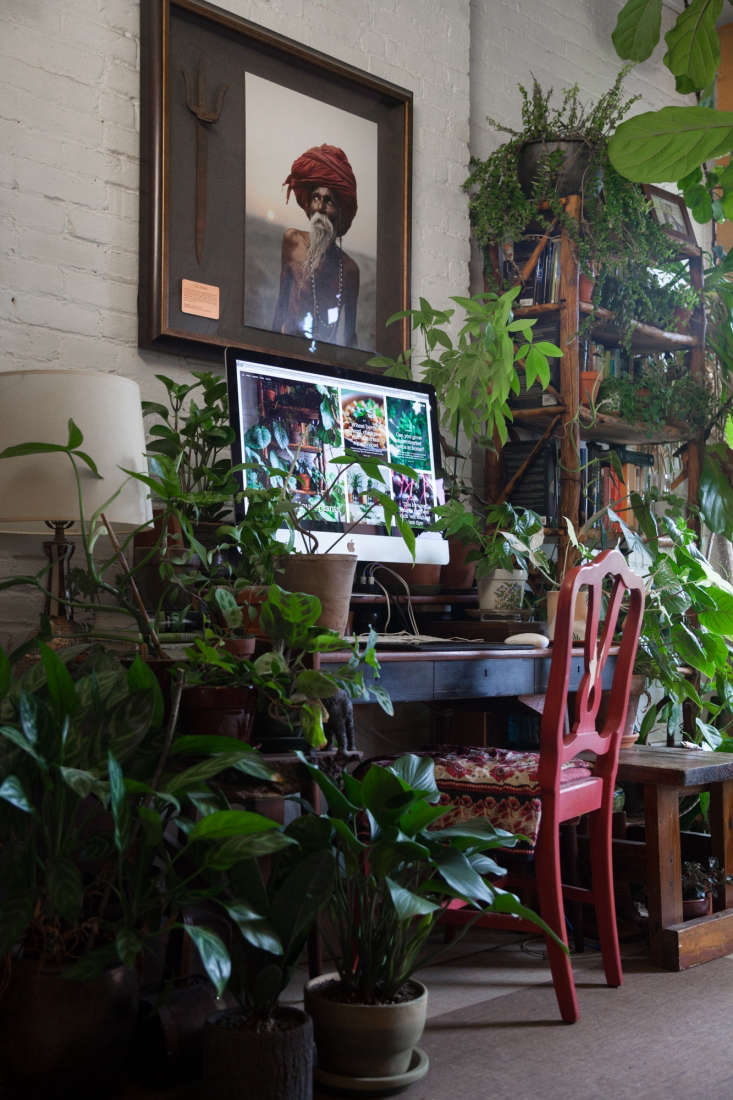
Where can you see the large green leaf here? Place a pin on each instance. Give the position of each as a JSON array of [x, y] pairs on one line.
[[214, 955], [299, 898], [237, 848], [716, 491], [256, 929], [11, 790], [666, 145], [418, 772], [225, 823], [694, 47], [637, 29], [408, 904], [60, 685]]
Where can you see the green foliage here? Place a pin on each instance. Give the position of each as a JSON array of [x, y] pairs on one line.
[[687, 623], [396, 868], [503, 538], [189, 449], [697, 881], [475, 375], [672, 143], [96, 809]]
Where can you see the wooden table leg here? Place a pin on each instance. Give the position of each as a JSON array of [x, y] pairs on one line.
[[664, 878], [721, 836]]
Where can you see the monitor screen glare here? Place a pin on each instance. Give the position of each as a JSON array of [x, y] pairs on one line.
[[291, 418]]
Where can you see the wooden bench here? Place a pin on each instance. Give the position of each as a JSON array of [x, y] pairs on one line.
[[666, 775]]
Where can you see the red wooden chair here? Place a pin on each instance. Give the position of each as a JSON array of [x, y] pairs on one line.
[[534, 793]]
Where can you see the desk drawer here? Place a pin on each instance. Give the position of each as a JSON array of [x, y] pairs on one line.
[[479, 679], [405, 682]]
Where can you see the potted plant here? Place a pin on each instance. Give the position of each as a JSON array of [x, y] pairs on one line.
[[505, 542], [616, 237], [396, 870], [698, 886], [272, 903], [96, 800], [294, 694]]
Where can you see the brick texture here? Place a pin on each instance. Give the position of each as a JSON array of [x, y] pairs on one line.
[[69, 127]]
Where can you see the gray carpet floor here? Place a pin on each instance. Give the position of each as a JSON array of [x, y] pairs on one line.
[[494, 1030]]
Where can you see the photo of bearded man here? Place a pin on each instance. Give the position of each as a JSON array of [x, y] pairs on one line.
[[303, 275]]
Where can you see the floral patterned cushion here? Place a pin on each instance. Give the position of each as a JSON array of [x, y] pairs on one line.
[[500, 784]]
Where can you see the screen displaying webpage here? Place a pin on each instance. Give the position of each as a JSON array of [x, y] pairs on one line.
[[292, 424]]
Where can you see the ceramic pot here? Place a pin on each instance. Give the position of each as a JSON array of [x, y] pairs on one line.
[[330, 577], [571, 175], [502, 590], [697, 907], [241, 1063], [356, 1040], [580, 614]]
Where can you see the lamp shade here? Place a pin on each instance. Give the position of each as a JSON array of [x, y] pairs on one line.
[[36, 406]]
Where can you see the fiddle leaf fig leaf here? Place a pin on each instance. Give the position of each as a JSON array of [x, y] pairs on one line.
[[659, 146], [693, 55], [637, 29]]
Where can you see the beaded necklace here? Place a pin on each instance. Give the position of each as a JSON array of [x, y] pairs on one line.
[[326, 329]]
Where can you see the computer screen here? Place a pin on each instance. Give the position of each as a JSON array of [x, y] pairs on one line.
[[292, 418]]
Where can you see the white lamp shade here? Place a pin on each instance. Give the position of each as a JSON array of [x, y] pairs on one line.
[[36, 406]]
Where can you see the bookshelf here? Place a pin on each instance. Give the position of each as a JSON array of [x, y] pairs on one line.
[[548, 271]]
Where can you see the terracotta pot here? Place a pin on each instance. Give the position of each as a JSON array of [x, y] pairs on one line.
[[421, 577], [357, 1040], [580, 614], [241, 1063], [458, 573], [330, 577], [64, 1038], [586, 286], [590, 381]]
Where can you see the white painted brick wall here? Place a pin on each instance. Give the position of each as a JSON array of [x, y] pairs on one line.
[[69, 130]]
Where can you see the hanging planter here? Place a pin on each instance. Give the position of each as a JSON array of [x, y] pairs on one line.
[[570, 177]]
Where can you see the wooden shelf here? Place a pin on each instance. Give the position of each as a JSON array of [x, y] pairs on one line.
[[603, 426], [644, 337]]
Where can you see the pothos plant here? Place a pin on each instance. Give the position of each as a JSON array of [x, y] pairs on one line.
[[687, 623], [504, 538]]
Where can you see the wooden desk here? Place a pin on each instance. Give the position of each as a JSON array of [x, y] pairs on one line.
[[447, 674], [667, 774]]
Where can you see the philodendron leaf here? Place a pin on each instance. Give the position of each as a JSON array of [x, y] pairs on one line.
[[693, 55], [665, 145], [214, 955], [637, 29], [12, 791]]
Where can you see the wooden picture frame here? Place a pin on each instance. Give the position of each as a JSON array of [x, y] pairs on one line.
[[671, 212], [227, 110]]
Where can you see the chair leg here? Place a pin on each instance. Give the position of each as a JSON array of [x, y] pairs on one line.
[[549, 887], [603, 895]]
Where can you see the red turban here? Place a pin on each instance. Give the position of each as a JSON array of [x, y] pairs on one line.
[[324, 166]]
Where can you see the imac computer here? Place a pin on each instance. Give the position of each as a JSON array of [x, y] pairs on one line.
[[295, 416]]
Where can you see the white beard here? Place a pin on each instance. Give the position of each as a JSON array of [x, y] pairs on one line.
[[322, 233]]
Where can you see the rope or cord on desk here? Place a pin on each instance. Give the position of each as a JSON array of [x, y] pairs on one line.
[[370, 571]]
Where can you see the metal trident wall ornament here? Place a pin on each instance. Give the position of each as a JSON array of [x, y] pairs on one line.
[[204, 119]]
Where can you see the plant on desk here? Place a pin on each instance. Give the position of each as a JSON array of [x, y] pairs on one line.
[[295, 694], [505, 541]]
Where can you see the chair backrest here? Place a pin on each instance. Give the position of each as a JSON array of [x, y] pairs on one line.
[[558, 742]]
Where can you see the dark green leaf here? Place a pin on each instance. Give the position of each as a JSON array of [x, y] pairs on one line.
[[226, 823], [664, 145], [214, 955], [694, 48], [637, 29], [11, 790], [65, 889]]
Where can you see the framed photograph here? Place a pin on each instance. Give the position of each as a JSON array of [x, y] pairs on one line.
[[670, 212], [275, 193]]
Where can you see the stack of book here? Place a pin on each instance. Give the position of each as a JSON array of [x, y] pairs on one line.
[[543, 283]]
